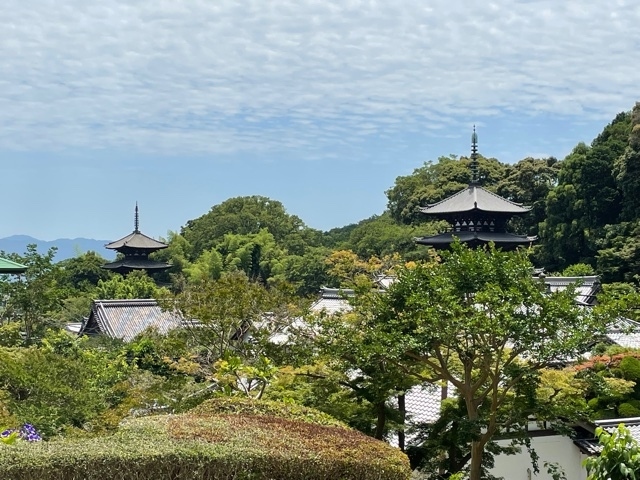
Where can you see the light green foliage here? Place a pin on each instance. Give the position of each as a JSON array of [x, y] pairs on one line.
[[619, 458], [136, 284], [37, 296], [59, 384], [578, 270]]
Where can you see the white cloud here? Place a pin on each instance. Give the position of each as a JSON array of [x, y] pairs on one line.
[[223, 76]]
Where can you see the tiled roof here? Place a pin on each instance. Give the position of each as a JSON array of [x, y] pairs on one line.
[[124, 319], [8, 266], [333, 300], [591, 446], [422, 402], [474, 197], [586, 287], [136, 240], [624, 332]]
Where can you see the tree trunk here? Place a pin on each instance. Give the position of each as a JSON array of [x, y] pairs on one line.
[[382, 418], [403, 413], [475, 471]]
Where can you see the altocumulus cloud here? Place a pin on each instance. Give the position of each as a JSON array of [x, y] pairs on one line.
[[225, 76]]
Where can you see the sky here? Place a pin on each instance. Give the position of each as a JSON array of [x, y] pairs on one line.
[[321, 104]]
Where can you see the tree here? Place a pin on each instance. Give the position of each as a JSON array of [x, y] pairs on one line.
[[619, 459], [36, 295], [586, 199], [83, 272], [435, 181], [243, 216], [481, 321], [136, 284]]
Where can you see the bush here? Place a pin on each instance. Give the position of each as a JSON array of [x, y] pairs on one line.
[[630, 368], [626, 410], [200, 444]]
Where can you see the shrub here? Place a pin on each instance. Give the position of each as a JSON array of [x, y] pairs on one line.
[[626, 410], [630, 368], [199, 444]]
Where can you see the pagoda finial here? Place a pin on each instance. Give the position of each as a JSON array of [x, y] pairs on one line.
[[136, 220], [474, 158]]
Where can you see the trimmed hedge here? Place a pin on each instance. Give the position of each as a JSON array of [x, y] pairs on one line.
[[218, 440]]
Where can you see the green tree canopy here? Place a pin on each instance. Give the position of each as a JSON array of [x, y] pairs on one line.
[[481, 321]]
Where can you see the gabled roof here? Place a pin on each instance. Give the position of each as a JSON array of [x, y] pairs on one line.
[[474, 197], [124, 319], [8, 266], [136, 240]]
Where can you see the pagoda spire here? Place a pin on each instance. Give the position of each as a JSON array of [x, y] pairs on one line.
[[136, 220], [473, 165]]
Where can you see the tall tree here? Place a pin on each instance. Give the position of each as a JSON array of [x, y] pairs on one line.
[[244, 216], [481, 321], [586, 199], [35, 295]]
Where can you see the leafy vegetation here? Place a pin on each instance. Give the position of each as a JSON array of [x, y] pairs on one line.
[[244, 275], [265, 444]]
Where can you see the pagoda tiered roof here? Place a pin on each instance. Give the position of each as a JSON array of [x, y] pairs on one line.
[[475, 215], [475, 197], [136, 240], [136, 248]]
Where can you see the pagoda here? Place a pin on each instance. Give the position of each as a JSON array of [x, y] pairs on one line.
[[475, 215], [136, 248]]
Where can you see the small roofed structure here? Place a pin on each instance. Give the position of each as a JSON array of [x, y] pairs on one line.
[[11, 267], [125, 319], [475, 215], [136, 248]]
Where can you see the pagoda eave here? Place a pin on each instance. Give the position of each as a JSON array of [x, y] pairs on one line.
[[473, 239], [128, 265]]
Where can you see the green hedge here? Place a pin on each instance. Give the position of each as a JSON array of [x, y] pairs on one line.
[[206, 445]]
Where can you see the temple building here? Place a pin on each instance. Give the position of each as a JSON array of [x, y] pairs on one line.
[[475, 215], [135, 249], [11, 267]]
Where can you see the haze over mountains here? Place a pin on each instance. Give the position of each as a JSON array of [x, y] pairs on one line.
[[67, 247]]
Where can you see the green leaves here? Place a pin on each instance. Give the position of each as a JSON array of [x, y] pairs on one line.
[[619, 458]]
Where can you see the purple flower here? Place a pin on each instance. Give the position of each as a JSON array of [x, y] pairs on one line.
[[27, 433]]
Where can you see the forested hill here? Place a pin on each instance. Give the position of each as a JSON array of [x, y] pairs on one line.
[[585, 210]]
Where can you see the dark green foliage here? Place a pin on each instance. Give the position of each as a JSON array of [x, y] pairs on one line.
[[586, 199], [243, 216], [630, 368], [435, 181], [193, 446]]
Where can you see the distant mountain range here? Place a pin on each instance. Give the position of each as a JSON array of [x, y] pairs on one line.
[[67, 247]]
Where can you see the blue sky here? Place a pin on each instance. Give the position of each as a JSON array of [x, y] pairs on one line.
[[319, 104]]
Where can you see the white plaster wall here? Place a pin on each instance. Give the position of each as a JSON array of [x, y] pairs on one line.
[[553, 449]]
